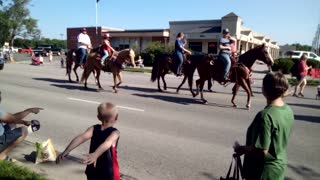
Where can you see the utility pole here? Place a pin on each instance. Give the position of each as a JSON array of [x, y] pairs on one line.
[[316, 41]]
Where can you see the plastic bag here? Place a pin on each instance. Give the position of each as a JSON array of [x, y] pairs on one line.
[[45, 152]]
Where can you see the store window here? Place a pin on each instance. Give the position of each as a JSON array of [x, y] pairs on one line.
[[195, 46]]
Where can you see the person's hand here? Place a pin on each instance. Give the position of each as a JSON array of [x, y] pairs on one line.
[[61, 157], [27, 123], [90, 159], [34, 110], [189, 52]]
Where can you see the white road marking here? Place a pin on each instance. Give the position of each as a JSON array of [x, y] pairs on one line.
[[95, 102]]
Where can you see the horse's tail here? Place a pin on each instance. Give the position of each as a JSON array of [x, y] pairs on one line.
[[69, 61], [155, 69]]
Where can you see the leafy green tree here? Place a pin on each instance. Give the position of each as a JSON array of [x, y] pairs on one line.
[[19, 20]]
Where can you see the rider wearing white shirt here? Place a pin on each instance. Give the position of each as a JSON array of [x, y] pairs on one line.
[[84, 43]]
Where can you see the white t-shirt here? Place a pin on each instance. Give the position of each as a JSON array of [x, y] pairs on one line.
[[84, 38]]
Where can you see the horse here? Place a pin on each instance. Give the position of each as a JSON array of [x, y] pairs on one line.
[[165, 63], [115, 66], [72, 58], [239, 73]]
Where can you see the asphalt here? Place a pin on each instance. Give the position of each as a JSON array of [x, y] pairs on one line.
[[163, 135]]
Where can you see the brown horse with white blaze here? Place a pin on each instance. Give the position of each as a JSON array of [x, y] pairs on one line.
[[239, 73], [115, 66]]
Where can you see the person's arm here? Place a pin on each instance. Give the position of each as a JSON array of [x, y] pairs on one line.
[[78, 140], [17, 118], [222, 47], [92, 158], [109, 45], [186, 50]]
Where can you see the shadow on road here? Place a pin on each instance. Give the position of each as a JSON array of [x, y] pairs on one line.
[[208, 176], [141, 89], [71, 87], [177, 100], [313, 119], [305, 172], [305, 105], [51, 80]]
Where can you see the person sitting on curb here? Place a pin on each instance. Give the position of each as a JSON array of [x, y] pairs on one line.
[[102, 161], [10, 134]]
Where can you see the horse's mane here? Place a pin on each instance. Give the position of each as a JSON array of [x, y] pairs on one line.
[[247, 54]]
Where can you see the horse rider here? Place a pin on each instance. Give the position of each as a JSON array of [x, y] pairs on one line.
[[225, 52], [84, 43], [179, 51], [107, 49]]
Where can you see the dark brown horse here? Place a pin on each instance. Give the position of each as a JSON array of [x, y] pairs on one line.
[[239, 73], [165, 63]]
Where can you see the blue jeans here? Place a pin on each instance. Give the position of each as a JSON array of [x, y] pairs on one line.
[[179, 62], [82, 55], [105, 56], [225, 59]]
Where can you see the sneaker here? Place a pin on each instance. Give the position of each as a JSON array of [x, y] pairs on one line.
[[300, 94]]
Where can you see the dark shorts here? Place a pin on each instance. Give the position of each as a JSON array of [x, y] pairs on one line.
[[9, 137]]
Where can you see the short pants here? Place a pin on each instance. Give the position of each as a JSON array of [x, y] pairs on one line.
[[9, 136]]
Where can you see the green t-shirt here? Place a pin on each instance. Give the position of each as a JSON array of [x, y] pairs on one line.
[[270, 130]]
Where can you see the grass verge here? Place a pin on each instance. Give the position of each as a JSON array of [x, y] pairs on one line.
[[12, 171], [311, 82], [140, 70]]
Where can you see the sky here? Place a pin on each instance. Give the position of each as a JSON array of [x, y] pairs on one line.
[[285, 21]]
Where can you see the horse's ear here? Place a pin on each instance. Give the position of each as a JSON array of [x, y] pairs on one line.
[[263, 45]]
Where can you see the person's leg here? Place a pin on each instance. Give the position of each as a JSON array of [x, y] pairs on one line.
[[82, 55], [225, 59], [104, 57], [179, 63], [11, 140], [300, 81], [302, 86]]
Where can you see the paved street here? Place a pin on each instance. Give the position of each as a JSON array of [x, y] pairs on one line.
[[163, 135]]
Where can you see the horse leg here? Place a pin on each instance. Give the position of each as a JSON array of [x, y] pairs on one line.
[[190, 82], [98, 80], [235, 90], [197, 88], [75, 72], [95, 76], [115, 82], [244, 85], [249, 86], [182, 83], [164, 81], [120, 79], [86, 75], [201, 84]]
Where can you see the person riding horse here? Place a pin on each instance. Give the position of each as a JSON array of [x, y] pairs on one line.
[[179, 52], [106, 49], [224, 54], [84, 43]]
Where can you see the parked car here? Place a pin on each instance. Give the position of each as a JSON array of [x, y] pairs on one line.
[[1, 61], [26, 49], [298, 54], [45, 49]]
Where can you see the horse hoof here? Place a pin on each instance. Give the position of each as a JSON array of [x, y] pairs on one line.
[[248, 106], [252, 95], [205, 102], [235, 106], [160, 90]]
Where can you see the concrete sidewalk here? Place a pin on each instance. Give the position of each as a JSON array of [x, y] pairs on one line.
[[69, 169]]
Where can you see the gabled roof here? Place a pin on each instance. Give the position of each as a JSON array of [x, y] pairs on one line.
[[205, 30], [232, 14], [260, 37]]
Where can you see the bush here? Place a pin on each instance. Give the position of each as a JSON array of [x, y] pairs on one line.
[[10, 170], [154, 49], [285, 64]]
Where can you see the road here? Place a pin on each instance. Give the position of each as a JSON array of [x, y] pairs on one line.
[[163, 135]]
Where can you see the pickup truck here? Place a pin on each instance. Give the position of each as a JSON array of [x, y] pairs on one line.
[[44, 50]]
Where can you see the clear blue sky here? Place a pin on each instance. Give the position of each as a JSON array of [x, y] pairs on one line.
[[286, 21]]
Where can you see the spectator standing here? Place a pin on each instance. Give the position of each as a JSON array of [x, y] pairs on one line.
[[301, 76]]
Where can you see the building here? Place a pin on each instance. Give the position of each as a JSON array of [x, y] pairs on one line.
[[203, 35], [120, 39]]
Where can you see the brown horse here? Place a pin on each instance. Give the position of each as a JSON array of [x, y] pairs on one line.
[[164, 63], [239, 73], [115, 66]]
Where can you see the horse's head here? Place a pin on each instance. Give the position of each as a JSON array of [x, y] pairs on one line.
[[263, 54]]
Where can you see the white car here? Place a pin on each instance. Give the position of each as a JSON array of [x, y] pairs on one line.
[[298, 54]]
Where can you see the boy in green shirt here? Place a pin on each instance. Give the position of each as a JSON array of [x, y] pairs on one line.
[[268, 135]]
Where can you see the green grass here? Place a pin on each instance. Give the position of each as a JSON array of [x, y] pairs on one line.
[[140, 70], [12, 171], [311, 82]]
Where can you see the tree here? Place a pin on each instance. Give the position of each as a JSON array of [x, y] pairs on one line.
[[19, 21], [4, 30]]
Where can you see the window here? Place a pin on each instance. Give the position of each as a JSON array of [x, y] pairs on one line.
[[313, 56], [195, 46], [123, 46], [212, 47]]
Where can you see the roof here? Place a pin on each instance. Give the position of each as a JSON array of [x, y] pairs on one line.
[[232, 14], [209, 21], [246, 32], [205, 30], [141, 30]]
